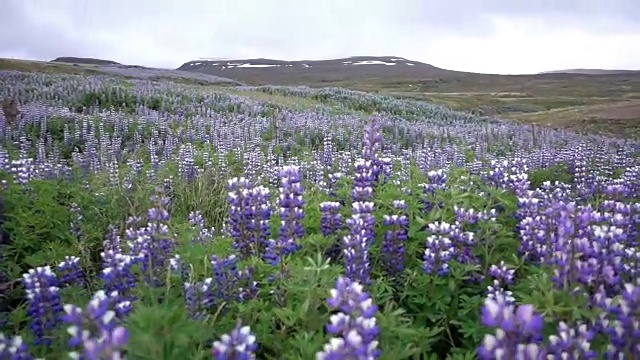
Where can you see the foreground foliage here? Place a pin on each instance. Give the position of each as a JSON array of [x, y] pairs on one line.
[[153, 221]]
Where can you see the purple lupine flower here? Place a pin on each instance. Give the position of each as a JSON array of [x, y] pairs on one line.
[[497, 293], [260, 211], [386, 164], [291, 214], [393, 249], [71, 272], [608, 243], [364, 210], [186, 162], [509, 175], [355, 248], [517, 332], [13, 348], [620, 321], [437, 180], [204, 235], [439, 249], [108, 346], [154, 244], [463, 242], [466, 216], [472, 216], [95, 329], [112, 240], [331, 223], [330, 218], [228, 284], [194, 298], [371, 146], [327, 152], [571, 343], [363, 181], [354, 326], [43, 298], [81, 321], [117, 274], [503, 274], [362, 194], [239, 344], [331, 184], [241, 226]]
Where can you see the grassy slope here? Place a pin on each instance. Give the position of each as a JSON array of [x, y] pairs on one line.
[[608, 104], [125, 71]]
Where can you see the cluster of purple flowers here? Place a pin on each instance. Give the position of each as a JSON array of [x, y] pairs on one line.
[[44, 304], [472, 216], [436, 180], [330, 218], [509, 175], [361, 224], [590, 247], [249, 214], [517, 334], [354, 326], [240, 343], [502, 276], [291, 205], [518, 331], [371, 146], [356, 250], [153, 245], [70, 271], [228, 283], [392, 255], [13, 348], [585, 247], [447, 242], [95, 329], [203, 235]]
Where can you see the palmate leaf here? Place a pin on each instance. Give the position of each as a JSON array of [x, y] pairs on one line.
[[165, 332]]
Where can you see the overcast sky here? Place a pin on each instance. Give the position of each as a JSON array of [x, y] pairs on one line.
[[494, 36]]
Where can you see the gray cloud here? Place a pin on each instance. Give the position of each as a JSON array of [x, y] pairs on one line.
[[474, 35]]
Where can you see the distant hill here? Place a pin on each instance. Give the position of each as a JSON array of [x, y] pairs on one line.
[[86, 61], [357, 68], [76, 65], [591, 71]]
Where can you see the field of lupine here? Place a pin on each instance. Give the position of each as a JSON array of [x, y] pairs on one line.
[[147, 220]]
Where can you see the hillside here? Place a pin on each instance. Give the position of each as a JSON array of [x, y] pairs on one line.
[[75, 65], [86, 61], [600, 103], [270, 71], [592, 71]]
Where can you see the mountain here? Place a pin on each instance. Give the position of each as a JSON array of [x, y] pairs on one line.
[[86, 61], [281, 72], [591, 71]]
